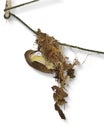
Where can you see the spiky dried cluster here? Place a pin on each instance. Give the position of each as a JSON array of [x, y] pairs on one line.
[[51, 50]]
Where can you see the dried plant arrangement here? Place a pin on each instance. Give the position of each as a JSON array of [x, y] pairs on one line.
[[52, 60]]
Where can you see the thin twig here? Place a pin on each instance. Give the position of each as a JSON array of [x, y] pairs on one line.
[[80, 48], [23, 23], [20, 5]]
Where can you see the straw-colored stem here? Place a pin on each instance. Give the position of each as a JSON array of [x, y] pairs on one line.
[[13, 7]]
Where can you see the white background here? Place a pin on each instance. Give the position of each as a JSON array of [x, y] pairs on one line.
[[26, 101]]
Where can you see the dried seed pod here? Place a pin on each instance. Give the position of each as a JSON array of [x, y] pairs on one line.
[[38, 62]]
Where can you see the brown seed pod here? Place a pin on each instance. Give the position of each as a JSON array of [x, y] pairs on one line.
[[37, 62]]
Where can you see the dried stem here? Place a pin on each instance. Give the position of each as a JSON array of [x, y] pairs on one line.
[[20, 5], [80, 48], [23, 23], [62, 44]]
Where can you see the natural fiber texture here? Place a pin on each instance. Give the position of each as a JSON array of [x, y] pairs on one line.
[[51, 51]]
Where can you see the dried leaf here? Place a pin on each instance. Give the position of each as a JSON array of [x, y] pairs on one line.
[[59, 95], [60, 92], [57, 108]]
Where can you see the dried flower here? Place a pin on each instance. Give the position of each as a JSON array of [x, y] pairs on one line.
[[51, 50], [52, 60]]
